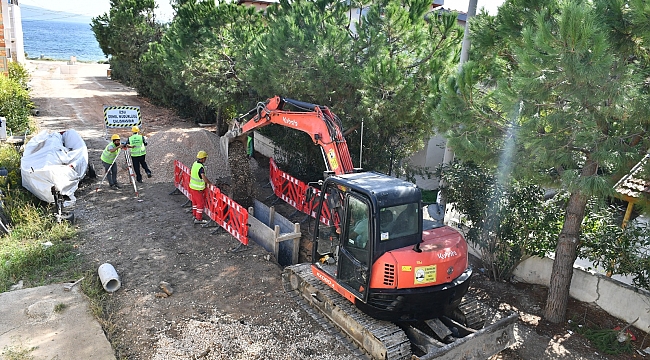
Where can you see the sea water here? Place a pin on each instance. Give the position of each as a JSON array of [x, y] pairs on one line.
[[59, 40]]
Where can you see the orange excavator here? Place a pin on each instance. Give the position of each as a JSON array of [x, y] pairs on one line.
[[378, 249]]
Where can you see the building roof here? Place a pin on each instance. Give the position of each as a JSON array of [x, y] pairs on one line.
[[635, 186]]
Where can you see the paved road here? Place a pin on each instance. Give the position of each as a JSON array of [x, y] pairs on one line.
[[47, 322]]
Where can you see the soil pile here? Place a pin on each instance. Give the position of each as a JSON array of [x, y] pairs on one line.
[[179, 144], [242, 183]]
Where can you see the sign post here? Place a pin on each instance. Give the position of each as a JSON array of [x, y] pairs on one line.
[[121, 117]]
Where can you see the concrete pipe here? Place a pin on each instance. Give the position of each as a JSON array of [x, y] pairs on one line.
[[109, 278], [36, 112]]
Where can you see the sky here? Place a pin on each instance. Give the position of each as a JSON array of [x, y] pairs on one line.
[[92, 8]]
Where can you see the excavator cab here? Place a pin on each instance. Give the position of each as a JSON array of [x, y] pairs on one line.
[[369, 244]]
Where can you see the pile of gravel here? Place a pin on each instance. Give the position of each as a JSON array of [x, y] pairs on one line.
[[179, 144], [222, 337]]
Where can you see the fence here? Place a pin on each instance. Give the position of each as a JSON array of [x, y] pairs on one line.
[[221, 209]]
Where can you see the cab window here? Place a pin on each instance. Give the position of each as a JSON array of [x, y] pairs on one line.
[[398, 221], [359, 226]]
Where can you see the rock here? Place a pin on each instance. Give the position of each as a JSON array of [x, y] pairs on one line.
[[166, 287]]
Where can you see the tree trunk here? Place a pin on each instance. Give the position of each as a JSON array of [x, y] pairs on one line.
[[566, 252]]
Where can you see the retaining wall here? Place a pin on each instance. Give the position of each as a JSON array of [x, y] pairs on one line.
[[618, 299], [264, 145], [275, 233]]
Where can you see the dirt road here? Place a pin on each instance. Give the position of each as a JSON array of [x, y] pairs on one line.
[[226, 304]]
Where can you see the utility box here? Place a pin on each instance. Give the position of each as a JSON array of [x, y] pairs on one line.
[[3, 128]]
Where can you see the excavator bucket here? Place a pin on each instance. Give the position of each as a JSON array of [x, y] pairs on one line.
[[224, 141], [233, 134]]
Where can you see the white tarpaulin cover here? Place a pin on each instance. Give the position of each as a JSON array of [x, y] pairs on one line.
[[54, 159]]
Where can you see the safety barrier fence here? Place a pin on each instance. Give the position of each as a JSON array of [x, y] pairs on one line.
[[221, 209], [294, 192]]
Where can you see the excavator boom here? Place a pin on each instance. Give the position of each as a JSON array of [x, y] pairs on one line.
[[324, 128]]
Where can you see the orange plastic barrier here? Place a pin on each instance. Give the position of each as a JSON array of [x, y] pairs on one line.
[[294, 191], [228, 214], [182, 178], [224, 211]]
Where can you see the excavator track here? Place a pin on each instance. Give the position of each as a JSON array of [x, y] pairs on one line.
[[470, 313], [369, 338], [365, 336]]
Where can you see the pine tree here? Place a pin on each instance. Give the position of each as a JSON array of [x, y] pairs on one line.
[[125, 33], [305, 54], [553, 83], [403, 49]]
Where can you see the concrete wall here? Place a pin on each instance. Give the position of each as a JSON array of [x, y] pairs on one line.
[[431, 156], [618, 299], [265, 146], [69, 69]]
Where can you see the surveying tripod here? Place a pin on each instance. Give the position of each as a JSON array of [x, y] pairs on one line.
[[129, 165]]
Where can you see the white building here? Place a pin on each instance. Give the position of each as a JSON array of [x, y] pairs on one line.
[[13, 31]]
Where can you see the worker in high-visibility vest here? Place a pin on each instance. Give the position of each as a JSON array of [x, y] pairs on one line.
[[137, 144], [250, 147], [198, 183], [108, 160]]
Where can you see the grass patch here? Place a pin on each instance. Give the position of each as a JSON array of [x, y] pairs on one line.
[[32, 259], [17, 353], [38, 250], [101, 305], [604, 340], [58, 308]]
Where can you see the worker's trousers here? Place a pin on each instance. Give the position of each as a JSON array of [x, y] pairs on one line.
[[137, 161], [198, 203], [111, 169]]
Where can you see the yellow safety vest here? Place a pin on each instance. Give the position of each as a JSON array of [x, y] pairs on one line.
[[196, 183], [107, 156], [137, 141]]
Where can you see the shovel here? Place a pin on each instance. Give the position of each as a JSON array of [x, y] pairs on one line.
[[69, 286]]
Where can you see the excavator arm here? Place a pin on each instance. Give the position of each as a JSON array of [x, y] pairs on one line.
[[323, 126]]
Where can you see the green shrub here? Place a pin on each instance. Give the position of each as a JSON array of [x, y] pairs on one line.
[[19, 74], [508, 222], [15, 104], [615, 249], [10, 160]]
